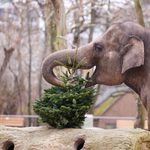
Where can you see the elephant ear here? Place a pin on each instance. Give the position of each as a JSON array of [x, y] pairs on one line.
[[132, 54]]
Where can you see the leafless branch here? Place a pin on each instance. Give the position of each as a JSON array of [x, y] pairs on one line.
[[77, 6], [50, 15], [66, 41], [78, 26]]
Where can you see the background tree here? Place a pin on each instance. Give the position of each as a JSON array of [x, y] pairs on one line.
[[140, 110], [14, 33], [60, 23]]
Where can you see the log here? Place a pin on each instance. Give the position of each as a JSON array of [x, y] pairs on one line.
[[44, 138]]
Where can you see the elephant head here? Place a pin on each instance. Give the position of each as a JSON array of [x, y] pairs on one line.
[[114, 53]]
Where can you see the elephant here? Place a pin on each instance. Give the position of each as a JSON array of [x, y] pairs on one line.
[[120, 55]]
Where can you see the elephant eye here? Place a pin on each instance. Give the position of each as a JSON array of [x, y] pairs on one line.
[[98, 48]]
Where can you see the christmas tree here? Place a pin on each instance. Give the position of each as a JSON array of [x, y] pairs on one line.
[[66, 106]]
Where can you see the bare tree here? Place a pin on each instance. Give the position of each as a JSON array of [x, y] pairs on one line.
[[60, 22], [8, 54], [14, 33], [140, 110]]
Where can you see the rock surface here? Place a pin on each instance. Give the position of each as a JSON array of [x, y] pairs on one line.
[[43, 138]]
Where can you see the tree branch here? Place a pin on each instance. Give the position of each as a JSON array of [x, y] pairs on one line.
[[78, 26], [8, 54]]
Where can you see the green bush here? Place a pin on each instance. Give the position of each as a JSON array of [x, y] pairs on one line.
[[65, 106]]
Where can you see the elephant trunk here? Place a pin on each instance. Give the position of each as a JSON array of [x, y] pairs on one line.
[[49, 63]]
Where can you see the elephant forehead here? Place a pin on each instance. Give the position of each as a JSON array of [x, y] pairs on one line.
[[112, 38], [110, 33], [114, 34]]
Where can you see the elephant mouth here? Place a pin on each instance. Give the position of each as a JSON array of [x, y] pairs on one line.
[[88, 84], [92, 79]]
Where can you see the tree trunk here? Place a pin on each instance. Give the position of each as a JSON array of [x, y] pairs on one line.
[[12, 103], [45, 16], [30, 60], [52, 30], [92, 22], [107, 20], [60, 22], [139, 12], [20, 78], [140, 114], [61, 28], [8, 54]]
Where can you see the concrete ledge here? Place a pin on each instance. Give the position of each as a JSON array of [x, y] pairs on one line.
[[43, 138]]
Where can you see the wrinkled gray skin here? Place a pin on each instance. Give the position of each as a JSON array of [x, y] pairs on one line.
[[121, 55]]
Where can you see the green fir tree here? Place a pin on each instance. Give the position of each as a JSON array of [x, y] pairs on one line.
[[66, 106]]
